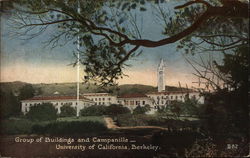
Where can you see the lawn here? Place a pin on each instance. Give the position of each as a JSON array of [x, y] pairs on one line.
[[25, 126], [83, 118], [156, 120]]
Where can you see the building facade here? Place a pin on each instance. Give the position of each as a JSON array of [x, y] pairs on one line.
[[56, 101], [101, 98], [165, 98]]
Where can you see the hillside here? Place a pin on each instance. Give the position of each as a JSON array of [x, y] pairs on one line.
[[70, 88]]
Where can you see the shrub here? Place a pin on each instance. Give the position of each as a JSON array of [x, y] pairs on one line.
[[93, 110], [43, 112], [74, 127], [67, 111], [115, 109], [141, 109], [22, 126]]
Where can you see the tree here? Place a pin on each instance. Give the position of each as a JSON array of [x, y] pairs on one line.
[[93, 110], [67, 111], [9, 104], [115, 109], [43, 112], [141, 109], [227, 107], [26, 92], [101, 28]]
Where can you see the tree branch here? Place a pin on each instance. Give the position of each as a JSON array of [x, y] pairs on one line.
[[193, 2]]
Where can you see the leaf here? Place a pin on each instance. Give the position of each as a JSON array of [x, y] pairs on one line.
[[143, 9], [124, 6], [133, 6]]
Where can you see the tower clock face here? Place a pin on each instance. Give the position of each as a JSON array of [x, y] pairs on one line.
[[160, 72]]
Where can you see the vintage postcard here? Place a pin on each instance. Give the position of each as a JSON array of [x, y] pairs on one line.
[[124, 78]]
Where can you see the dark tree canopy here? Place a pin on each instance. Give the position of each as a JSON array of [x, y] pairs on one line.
[[109, 36]]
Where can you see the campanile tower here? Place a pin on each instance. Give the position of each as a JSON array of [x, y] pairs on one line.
[[161, 76]]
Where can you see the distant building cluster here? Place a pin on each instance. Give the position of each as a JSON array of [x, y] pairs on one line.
[[154, 99]]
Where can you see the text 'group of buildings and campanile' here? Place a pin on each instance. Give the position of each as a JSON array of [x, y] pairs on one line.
[[155, 99]]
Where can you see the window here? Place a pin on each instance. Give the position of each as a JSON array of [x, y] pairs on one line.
[[143, 102], [181, 96], [171, 97], [166, 97], [162, 102], [132, 102], [137, 102], [109, 99], [95, 99], [126, 102], [176, 97], [103, 99], [100, 99], [162, 97]]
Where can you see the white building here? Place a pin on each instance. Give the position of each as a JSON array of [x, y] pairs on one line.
[[101, 98], [57, 101], [165, 98], [133, 100]]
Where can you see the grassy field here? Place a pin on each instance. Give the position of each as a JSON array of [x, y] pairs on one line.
[[156, 120], [83, 118], [25, 126]]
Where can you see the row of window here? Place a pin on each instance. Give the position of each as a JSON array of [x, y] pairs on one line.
[[62, 103], [170, 97], [103, 103], [100, 99], [132, 102]]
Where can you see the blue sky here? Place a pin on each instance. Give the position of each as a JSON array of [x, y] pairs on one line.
[[31, 61]]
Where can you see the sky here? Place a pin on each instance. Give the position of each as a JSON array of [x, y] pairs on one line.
[[30, 61]]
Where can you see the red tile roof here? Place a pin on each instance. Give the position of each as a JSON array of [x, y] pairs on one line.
[[172, 92], [56, 98], [96, 94], [133, 96]]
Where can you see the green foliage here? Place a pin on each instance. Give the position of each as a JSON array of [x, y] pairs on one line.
[[26, 92], [67, 110], [16, 126], [99, 110], [141, 109], [189, 107], [43, 112], [115, 109], [235, 68], [228, 109], [9, 104], [74, 127], [94, 110]]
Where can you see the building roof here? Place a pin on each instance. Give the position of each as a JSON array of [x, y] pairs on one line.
[[133, 96], [97, 94], [37, 98], [171, 92]]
